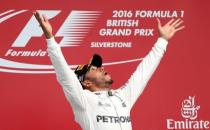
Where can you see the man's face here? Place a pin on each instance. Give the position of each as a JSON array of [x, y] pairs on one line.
[[99, 76]]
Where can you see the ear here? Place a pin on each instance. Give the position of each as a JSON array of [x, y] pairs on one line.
[[87, 83]]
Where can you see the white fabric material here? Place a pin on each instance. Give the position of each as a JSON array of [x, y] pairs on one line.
[[103, 110]]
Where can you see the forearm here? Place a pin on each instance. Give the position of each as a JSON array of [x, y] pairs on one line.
[[60, 65], [65, 76], [137, 82], [150, 63]]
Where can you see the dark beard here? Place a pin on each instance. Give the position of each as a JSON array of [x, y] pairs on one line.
[[107, 83], [110, 82]]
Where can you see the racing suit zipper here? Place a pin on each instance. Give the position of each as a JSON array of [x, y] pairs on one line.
[[115, 112]]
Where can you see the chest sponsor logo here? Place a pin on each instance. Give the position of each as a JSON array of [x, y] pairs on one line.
[[113, 119]]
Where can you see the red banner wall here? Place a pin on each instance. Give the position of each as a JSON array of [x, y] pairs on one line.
[[31, 98]]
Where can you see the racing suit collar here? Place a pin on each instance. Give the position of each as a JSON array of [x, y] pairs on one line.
[[103, 92]]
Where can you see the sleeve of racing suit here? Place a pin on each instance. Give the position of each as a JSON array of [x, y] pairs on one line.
[[132, 89], [66, 77]]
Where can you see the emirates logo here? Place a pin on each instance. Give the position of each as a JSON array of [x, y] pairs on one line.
[[189, 109], [189, 112]]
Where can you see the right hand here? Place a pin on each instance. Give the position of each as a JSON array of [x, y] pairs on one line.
[[44, 23]]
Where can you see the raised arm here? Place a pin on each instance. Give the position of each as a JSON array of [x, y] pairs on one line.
[[139, 79], [65, 76]]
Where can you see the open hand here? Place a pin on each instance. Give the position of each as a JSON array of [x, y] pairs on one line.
[[169, 29], [44, 23]]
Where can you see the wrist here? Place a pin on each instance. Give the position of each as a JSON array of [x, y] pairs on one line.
[[166, 38], [48, 36]]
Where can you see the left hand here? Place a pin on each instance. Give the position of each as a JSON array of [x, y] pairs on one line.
[[169, 29]]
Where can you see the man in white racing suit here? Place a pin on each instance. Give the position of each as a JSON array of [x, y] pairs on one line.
[[95, 105]]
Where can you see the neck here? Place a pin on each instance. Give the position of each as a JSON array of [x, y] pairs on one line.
[[96, 88]]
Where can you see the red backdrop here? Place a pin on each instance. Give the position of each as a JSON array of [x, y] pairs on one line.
[[30, 97]]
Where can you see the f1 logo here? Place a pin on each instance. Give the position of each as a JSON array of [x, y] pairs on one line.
[[73, 30]]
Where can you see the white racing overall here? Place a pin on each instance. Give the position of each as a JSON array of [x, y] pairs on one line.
[[104, 110]]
